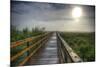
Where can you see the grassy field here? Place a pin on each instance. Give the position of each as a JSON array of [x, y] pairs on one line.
[[82, 43]]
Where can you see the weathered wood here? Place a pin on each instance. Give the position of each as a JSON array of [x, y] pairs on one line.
[[26, 59], [33, 52], [47, 54], [66, 49], [20, 42], [26, 49]]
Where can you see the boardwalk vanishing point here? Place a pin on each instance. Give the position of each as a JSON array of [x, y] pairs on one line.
[[49, 48]]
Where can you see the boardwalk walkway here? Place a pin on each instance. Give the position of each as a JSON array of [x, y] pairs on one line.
[[47, 54]]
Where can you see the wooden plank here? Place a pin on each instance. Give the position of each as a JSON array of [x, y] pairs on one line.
[[71, 53], [46, 55], [26, 49], [26, 59]]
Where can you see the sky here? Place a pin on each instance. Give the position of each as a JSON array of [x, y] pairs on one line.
[[52, 16]]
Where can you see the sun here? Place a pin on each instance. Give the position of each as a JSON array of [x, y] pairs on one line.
[[76, 12]]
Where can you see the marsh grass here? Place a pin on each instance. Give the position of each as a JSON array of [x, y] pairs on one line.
[[82, 43]]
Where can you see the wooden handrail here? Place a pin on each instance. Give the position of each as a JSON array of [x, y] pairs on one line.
[[20, 42], [73, 56], [44, 37], [26, 49], [26, 59]]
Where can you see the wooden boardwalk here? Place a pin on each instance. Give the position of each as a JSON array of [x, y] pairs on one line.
[[50, 48], [47, 54]]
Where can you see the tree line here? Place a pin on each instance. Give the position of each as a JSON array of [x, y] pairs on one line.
[[17, 34]]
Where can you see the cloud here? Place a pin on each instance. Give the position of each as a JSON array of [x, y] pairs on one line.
[[50, 15]]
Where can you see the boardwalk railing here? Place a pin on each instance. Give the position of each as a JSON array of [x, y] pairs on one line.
[[22, 50], [66, 54]]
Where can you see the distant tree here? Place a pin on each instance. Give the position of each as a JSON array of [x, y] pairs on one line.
[[26, 32], [43, 28], [36, 29], [13, 33], [33, 30], [13, 29]]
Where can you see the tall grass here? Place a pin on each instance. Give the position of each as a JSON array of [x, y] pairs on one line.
[[82, 43], [25, 33]]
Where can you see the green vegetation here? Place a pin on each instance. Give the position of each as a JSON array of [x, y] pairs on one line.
[[25, 33], [18, 35], [82, 43]]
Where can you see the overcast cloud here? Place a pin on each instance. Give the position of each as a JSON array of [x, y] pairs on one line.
[[52, 16]]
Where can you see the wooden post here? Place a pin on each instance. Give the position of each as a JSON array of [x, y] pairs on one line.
[[28, 52]]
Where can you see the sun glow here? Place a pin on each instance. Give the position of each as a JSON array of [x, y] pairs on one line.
[[77, 12]]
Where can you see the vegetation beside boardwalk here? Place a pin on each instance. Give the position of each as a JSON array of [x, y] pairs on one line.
[[82, 43], [17, 35], [25, 33]]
